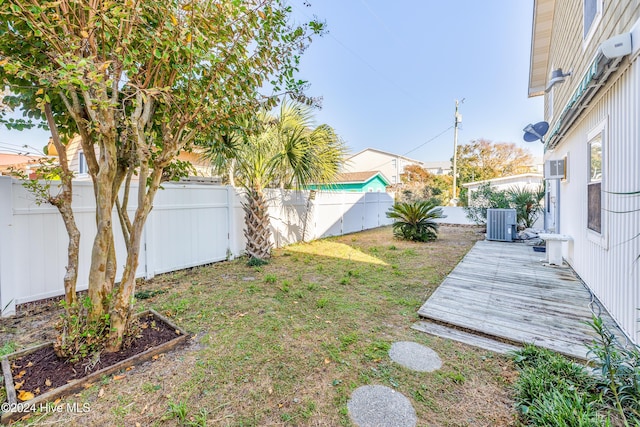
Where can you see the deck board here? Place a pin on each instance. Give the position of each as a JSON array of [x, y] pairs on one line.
[[504, 290]]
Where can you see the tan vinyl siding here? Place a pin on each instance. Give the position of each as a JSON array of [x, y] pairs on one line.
[[567, 48]]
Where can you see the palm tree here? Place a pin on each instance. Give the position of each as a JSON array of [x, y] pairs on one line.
[[527, 204], [415, 220], [287, 152]]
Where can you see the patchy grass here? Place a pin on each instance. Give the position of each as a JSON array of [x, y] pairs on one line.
[[286, 343]]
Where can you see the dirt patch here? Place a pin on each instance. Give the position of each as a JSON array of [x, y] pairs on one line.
[[43, 370]]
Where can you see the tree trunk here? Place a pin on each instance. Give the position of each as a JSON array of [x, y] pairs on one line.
[[258, 225], [63, 203], [120, 313], [101, 266]]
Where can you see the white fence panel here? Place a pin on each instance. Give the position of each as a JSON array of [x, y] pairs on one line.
[[353, 212], [190, 225], [327, 214]]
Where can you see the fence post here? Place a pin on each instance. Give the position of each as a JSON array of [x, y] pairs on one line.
[[7, 296], [232, 239]]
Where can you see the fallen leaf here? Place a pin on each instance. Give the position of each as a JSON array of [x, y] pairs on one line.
[[327, 361], [47, 382], [178, 332], [88, 385], [18, 386], [37, 391], [25, 395], [20, 375], [155, 357], [30, 364], [101, 392], [55, 402], [270, 390], [118, 377], [129, 368]]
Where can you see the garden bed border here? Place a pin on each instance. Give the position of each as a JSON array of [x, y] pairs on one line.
[[78, 384]]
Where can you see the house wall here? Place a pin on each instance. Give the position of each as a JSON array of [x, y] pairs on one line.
[[608, 261], [190, 225], [391, 166], [529, 182]]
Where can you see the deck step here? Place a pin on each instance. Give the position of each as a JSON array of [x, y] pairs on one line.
[[480, 341]]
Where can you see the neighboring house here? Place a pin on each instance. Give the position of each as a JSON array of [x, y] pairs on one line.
[[438, 168], [26, 163], [592, 149], [529, 181], [391, 165], [78, 161], [359, 182]]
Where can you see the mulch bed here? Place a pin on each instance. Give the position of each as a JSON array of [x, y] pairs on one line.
[[42, 370]]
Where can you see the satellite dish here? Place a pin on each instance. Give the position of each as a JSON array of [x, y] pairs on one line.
[[535, 132]]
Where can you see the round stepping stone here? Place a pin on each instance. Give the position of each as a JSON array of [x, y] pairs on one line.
[[415, 356], [380, 406]]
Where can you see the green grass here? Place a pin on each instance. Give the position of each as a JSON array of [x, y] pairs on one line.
[[291, 345]]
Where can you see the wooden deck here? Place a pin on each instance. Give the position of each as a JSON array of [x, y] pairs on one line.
[[504, 290]]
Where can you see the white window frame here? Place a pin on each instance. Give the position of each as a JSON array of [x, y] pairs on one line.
[[594, 24], [600, 129], [83, 168]]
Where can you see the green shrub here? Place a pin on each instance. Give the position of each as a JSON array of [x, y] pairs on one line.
[[527, 203], [415, 220], [553, 391], [619, 368]]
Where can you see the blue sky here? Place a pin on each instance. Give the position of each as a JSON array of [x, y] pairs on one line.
[[389, 73]]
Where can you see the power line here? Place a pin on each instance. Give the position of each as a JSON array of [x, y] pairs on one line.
[[374, 69], [417, 147]]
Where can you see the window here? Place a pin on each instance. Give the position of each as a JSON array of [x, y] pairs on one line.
[[594, 184], [82, 164], [592, 11]]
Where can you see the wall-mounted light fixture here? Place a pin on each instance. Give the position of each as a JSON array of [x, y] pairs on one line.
[[557, 76]]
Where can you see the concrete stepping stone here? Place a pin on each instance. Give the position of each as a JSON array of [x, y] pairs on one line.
[[415, 356], [380, 406]]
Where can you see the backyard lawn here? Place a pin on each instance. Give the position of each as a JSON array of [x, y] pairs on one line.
[[286, 343]]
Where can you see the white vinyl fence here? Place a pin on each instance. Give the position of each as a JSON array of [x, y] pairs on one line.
[[190, 225]]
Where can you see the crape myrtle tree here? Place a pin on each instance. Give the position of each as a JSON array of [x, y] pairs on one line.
[[137, 80], [282, 150]]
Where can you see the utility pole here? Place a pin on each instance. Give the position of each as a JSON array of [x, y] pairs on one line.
[[457, 118]]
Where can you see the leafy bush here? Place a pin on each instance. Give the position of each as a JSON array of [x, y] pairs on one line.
[[619, 367], [552, 390], [527, 203], [415, 220]]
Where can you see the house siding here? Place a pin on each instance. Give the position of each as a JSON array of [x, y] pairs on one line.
[[373, 160], [608, 263]]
